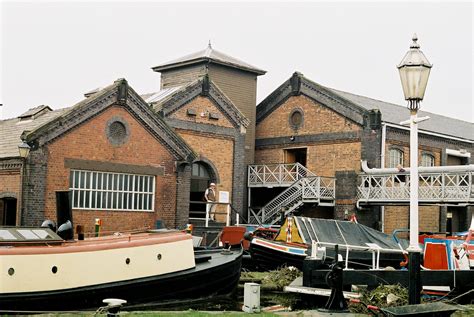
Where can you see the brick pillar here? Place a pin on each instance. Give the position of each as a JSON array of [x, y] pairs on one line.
[[34, 188], [346, 189], [239, 194], [183, 189]]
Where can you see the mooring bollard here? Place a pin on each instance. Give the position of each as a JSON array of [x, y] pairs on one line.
[[251, 298], [98, 224]]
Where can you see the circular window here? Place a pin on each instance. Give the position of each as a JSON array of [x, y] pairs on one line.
[[117, 131], [296, 118]]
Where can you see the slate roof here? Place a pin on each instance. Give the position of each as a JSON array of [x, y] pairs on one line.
[[353, 106], [209, 55], [11, 129], [392, 113]]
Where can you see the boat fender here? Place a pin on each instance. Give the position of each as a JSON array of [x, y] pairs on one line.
[[49, 224], [404, 263], [248, 236], [66, 231]]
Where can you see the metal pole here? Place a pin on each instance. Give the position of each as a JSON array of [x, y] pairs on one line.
[[414, 285], [414, 182]]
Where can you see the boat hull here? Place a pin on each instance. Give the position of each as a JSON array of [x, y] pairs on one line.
[[269, 255], [219, 274]]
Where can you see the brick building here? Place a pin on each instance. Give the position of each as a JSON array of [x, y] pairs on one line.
[[118, 158], [330, 131], [206, 138], [203, 126]]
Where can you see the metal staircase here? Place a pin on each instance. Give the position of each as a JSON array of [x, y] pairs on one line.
[[437, 185], [312, 189]]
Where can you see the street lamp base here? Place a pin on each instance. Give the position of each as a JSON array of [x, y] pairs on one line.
[[414, 277]]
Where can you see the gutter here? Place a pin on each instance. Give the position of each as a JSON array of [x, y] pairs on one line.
[[429, 133]]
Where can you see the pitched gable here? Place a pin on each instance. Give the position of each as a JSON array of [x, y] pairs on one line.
[[176, 101], [300, 85], [121, 94]]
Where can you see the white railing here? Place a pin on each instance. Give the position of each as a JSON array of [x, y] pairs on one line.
[[309, 189], [441, 187], [273, 175]]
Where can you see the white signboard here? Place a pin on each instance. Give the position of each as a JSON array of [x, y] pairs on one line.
[[223, 197]]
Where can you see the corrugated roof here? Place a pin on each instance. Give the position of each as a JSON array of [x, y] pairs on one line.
[[210, 54], [392, 113], [11, 130]]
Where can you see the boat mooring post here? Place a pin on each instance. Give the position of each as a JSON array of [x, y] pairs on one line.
[[414, 277]]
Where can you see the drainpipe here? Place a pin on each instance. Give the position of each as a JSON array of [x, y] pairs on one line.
[[382, 165]]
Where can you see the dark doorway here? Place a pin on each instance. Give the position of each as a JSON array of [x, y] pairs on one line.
[[456, 160], [296, 156], [456, 219], [8, 211], [200, 180]]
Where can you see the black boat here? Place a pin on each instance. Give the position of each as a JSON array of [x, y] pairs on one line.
[[359, 246]]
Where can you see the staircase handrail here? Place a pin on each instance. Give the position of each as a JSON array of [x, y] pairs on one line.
[[276, 173], [297, 190]]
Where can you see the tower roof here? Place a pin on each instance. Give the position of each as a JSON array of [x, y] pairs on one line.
[[209, 55]]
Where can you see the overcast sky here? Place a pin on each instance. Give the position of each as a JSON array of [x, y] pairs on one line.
[[54, 52]]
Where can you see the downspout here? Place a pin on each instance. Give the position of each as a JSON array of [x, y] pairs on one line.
[[382, 165]]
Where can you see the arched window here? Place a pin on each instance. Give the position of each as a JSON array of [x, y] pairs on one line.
[[199, 171], [395, 158], [427, 160]]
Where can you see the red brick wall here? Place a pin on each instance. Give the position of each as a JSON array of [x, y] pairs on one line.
[[324, 157], [10, 182], [89, 142], [397, 217], [317, 119]]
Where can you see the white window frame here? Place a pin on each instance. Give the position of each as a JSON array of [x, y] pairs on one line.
[[427, 160], [104, 196], [395, 158]]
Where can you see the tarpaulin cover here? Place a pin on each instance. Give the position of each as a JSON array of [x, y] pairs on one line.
[[342, 233]]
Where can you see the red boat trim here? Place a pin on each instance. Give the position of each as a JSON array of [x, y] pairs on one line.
[[99, 244]]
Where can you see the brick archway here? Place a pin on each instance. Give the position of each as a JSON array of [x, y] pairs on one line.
[[203, 172]]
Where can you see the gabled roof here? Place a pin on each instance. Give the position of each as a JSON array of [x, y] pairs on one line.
[[12, 129], [209, 55], [169, 100], [49, 126], [355, 107], [392, 113], [298, 84]]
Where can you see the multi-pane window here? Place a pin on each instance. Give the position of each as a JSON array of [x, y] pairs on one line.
[[395, 158], [427, 160], [112, 191]]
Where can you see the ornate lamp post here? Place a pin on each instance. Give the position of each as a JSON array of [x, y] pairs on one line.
[[414, 71], [24, 151]]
